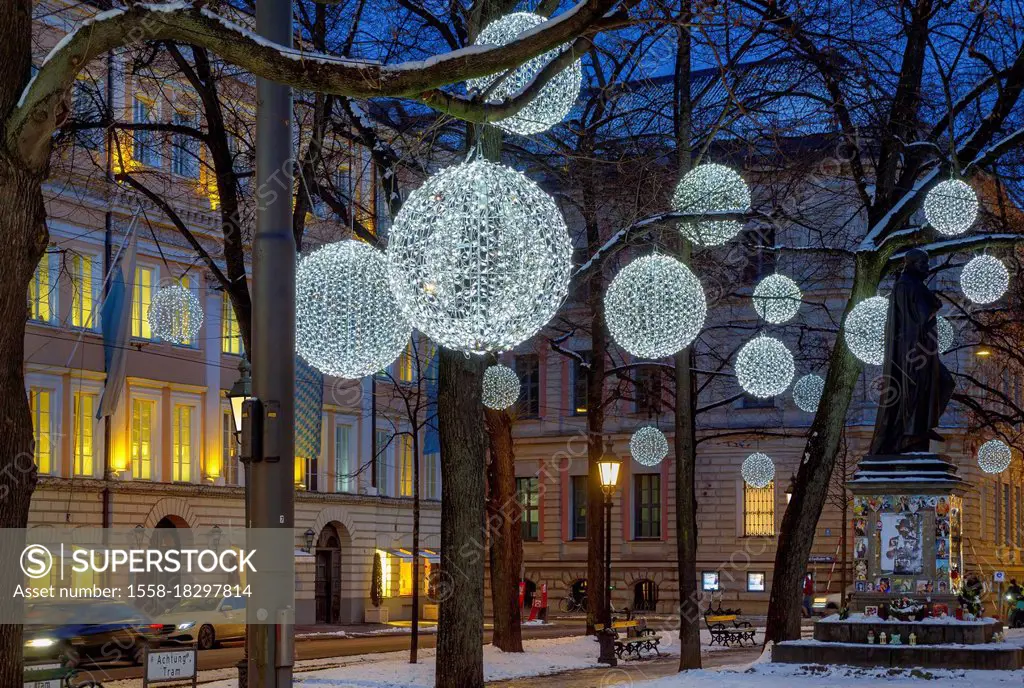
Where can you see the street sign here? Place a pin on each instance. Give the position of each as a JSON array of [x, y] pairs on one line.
[[169, 665], [999, 576], [821, 559], [48, 683]]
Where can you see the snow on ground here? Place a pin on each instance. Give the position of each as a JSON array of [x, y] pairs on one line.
[[392, 669]]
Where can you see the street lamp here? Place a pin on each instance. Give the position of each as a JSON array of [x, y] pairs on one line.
[[309, 535], [239, 392], [608, 467]]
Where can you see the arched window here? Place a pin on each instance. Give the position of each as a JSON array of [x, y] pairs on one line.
[[645, 596]]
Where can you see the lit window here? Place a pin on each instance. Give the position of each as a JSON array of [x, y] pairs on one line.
[[142, 296], [405, 482], [405, 577], [759, 510], [405, 364], [231, 335], [185, 148], [187, 284], [181, 461], [342, 458], [647, 505], [527, 490], [41, 403], [755, 581], [710, 581], [84, 412], [82, 291], [40, 307], [230, 467], [385, 571], [144, 142], [142, 439]]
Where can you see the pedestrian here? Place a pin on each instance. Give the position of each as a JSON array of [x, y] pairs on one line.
[[808, 593]]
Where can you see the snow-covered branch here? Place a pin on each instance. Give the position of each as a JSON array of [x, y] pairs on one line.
[[968, 243], [43, 102]]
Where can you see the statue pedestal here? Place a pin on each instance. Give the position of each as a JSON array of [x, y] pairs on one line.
[[906, 529]]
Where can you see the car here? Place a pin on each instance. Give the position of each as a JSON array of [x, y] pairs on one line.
[[205, 621], [122, 634]]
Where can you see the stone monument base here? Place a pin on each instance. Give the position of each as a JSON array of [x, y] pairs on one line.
[[990, 656]]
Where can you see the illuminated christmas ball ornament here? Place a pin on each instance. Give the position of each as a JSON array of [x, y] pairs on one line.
[[777, 298], [945, 334], [500, 387], [758, 470], [648, 446], [655, 307], [807, 392], [864, 330], [479, 257], [711, 188], [347, 323], [555, 99], [175, 314], [994, 456], [951, 207], [984, 279], [764, 367]]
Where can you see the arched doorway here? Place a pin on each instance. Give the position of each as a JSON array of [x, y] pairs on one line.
[[166, 535], [645, 596], [328, 576], [529, 590]]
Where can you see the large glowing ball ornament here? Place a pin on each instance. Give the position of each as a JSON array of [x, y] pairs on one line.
[[777, 298], [944, 333], [501, 386], [764, 367], [648, 446], [347, 323], [555, 99], [655, 307], [994, 456], [175, 314], [711, 188], [758, 470], [807, 392], [864, 330], [984, 279], [951, 207], [479, 257]]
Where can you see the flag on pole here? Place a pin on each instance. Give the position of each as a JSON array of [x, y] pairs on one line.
[[116, 321]]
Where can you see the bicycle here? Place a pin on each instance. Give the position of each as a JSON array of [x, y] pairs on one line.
[[570, 603], [54, 676]]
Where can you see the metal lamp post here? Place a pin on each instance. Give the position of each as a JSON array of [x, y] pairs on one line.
[[239, 393], [608, 467]]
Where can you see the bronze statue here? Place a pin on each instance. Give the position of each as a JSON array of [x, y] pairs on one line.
[[916, 387]]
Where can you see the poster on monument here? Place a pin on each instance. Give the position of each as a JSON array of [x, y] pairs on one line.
[[901, 543]]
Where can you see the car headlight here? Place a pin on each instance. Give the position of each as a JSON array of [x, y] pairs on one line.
[[40, 642], [185, 626]]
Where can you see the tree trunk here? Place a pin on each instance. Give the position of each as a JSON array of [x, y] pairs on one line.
[[463, 448], [685, 450], [812, 479], [25, 238], [504, 515]]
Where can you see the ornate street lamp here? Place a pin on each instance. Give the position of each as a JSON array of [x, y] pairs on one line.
[[239, 392], [309, 535], [608, 467]]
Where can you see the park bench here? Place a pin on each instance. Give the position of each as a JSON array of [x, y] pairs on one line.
[[726, 628], [633, 638]]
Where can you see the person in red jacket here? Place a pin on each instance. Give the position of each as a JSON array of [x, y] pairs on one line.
[[808, 593]]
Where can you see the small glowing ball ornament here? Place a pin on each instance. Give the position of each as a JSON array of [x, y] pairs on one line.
[[777, 298], [711, 188], [944, 333], [175, 314], [764, 367], [758, 470], [951, 207], [994, 456], [655, 307], [501, 387], [864, 330], [479, 257], [984, 279], [648, 446], [807, 392], [554, 101], [347, 323]]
